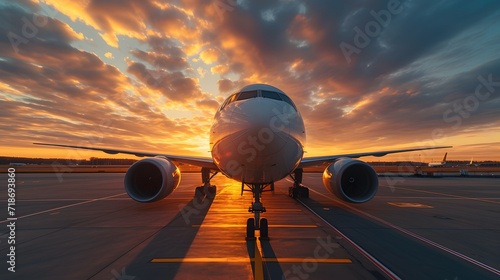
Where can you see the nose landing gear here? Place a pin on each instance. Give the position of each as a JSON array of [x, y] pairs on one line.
[[257, 223]]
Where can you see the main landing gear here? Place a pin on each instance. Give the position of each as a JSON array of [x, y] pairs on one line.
[[298, 190], [257, 223], [207, 189]]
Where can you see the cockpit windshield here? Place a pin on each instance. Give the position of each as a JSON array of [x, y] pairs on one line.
[[257, 93], [271, 95], [247, 95]]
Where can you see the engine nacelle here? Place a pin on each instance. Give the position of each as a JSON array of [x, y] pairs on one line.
[[151, 179], [351, 180]]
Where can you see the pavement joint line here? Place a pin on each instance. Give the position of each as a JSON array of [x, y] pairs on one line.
[[450, 195], [376, 262], [409, 233], [66, 206], [424, 197], [410, 205]]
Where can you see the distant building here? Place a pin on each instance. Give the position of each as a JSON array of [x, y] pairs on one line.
[[17, 164]]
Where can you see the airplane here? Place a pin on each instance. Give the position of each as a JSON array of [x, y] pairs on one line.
[[438, 164], [257, 138], [471, 163]]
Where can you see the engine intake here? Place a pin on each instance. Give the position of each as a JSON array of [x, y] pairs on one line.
[[351, 180], [151, 179]]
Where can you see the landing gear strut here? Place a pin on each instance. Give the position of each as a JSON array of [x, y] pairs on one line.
[[298, 190], [257, 223], [207, 189]]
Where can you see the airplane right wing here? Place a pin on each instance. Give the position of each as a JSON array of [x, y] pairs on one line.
[[316, 161]]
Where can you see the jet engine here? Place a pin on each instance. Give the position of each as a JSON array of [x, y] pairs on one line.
[[152, 179], [351, 180]]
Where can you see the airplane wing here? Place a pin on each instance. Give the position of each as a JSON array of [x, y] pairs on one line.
[[316, 161], [197, 161]]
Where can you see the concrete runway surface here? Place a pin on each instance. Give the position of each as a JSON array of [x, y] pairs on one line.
[[84, 226]]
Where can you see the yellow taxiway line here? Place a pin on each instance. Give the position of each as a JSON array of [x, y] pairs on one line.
[[246, 260]]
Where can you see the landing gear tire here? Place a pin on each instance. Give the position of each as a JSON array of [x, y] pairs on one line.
[[250, 229], [212, 190], [297, 192], [304, 192], [264, 229], [206, 189], [199, 192]]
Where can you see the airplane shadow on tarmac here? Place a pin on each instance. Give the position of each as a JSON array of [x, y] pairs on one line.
[[272, 270], [171, 241]]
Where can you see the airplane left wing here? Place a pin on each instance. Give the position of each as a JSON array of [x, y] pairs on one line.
[[316, 161], [197, 161]]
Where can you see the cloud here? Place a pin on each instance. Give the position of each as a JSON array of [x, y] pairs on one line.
[[209, 56], [299, 52], [173, 85], [164, 54], [201, 71], [55, 92], [422, 62], [129, 18], [161, 61], [208, 104], [126, 18]]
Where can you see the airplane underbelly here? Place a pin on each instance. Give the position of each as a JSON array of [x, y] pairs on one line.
[[255, 158]]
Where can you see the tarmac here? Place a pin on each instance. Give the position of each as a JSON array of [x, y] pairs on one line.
[[84, 226]]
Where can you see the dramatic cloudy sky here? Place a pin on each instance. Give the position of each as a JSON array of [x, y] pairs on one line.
[[149, 75]]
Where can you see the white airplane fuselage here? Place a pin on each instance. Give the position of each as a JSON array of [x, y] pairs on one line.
[[257, 136]]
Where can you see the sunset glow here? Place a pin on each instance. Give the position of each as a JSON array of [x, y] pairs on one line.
[[149, 75]]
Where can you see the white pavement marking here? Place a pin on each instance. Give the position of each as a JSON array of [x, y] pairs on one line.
[[376, 262], [407, 232], [449, 195], [66, 206]]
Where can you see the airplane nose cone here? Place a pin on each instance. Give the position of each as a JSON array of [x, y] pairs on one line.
[[262, 114], [258, 140]]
